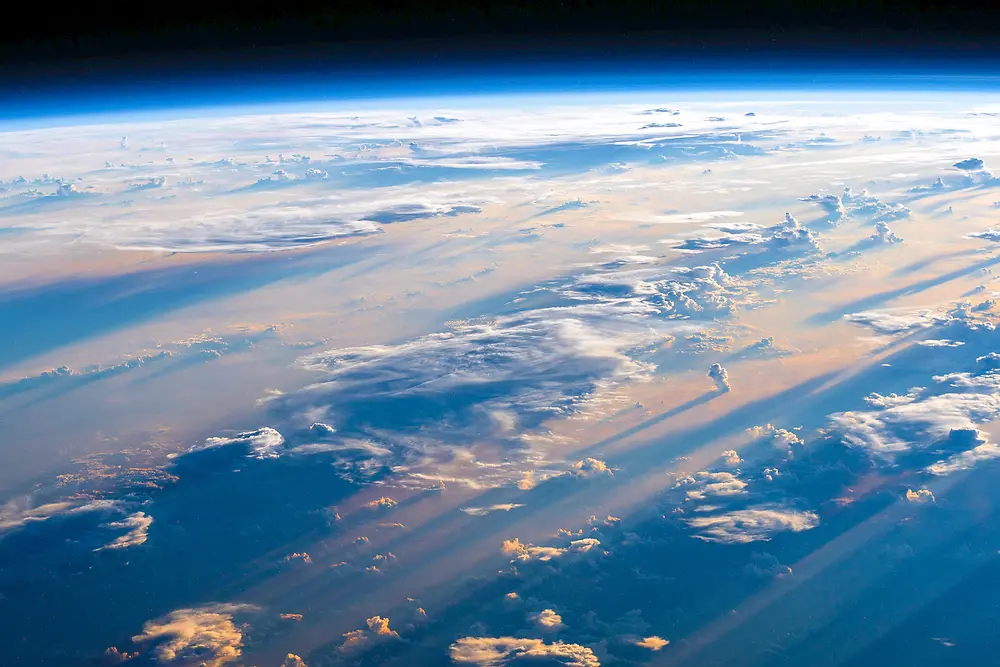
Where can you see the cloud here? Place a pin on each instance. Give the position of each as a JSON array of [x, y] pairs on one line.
[[986, 235], [530, 552], [500, 651], [204, 635], [782, 439], [483, 511], [382, 503], [137, 525], [921, 418], [971, 164], [497, 381], [653, 643], [16, 514], [263, 443], [720, 377], [753, 524], [591, 467], [920, 496], [702, 485], [547, 620], [731, 458], [897, 320], [982, 450], [884, 235], [786, 235], [292, 660], [378, 630], [857, 205], [940, 342]]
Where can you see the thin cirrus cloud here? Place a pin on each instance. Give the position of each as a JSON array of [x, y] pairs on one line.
[[752, 524]]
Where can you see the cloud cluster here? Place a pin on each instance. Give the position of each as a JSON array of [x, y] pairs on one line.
[[784, 236], [863, 206], [378, 630], [417, 404], [263, 443], [944, 417], [203, 635], [500, 651], [530, 552]]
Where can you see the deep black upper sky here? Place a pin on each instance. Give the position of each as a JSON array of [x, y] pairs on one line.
[[172, 32]]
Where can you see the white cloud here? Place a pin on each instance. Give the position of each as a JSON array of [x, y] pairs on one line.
[[263, 443], [653, 643], [483, 511], [920, 496], [137, 525], [883, 234], [204, 635], [500, 651], [702, 485], [591, 467], [18, 513], [720, 377], [981, 451], [547, 620], [897, 320], [919, 419], [761, 522]]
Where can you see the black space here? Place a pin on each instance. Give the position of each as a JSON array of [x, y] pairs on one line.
[[83, 36]]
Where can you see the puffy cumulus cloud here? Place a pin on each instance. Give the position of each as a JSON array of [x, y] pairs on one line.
[[483, 511], [653, 643], [530, 552], [976, 449], [731, 458], [292, 660], [920, 496], [758, 523], [263, 443], [382, 503], [787, 235], [781, 438], [720, 377], [547, 620], [656, 291], [500, 651], [300, 556], [857, 205], [378, 630], [702, 485], [137, 525], [591, 467], [883, 234], [204, 635], [922, 418]]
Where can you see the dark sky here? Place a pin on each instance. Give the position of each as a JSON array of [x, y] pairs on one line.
[[379, 30], [90, 46]]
